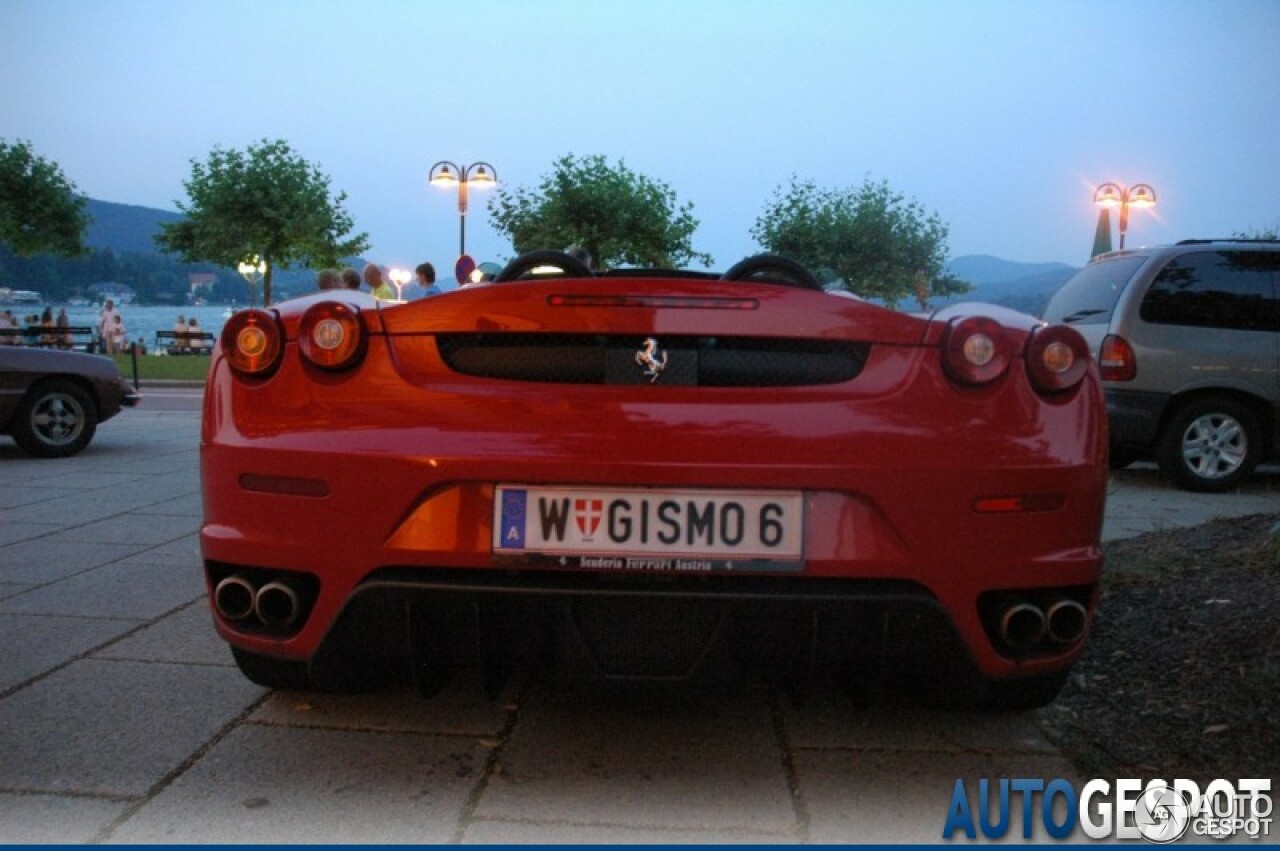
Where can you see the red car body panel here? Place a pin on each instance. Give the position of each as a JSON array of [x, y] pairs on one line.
[[394, 463]]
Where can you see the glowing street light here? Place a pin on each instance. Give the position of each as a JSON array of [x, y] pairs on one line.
[[1108, 196], [252, 269], [399, 277], [445, 173]]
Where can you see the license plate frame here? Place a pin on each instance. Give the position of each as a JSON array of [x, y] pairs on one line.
[[650, 528]]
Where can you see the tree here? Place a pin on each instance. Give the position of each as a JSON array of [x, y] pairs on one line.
[[869, 238], [1272, 232], [265, 201], [621, 217], [39, 208]]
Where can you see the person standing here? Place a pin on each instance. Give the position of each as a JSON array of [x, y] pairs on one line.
[[106, 325], [378, 287]]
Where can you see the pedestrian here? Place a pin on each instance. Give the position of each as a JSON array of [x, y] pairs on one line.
[[329, 279], [351, 278], [117, 335], [426, 274], [377, 286], [107, 324]]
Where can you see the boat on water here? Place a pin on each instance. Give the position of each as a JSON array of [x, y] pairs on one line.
[[21, 297]]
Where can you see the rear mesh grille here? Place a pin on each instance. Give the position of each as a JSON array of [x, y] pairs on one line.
[[688, 361]]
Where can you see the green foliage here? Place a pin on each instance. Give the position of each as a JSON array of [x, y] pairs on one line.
[[1272, 232], [267, 202], [869, 239], [39, 208], [622, 218]]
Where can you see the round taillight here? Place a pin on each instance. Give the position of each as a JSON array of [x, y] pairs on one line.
[[975, 350], [331, 335], [1057, 358], [252, 342]]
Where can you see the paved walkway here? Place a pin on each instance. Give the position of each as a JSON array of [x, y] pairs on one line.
[[122, 718]]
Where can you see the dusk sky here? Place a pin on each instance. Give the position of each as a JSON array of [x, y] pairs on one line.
[[1000, 116]]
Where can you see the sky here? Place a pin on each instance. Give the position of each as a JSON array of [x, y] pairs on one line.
[[1001, 117]]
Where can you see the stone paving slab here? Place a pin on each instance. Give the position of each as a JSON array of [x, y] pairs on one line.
[[54, 819], [140, 591], [184, 637], [461, 710], [111, 728], [34, 645], [37, 561], [266, 785], [644, 759]]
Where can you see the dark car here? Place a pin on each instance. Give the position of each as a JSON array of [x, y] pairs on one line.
[[51, 401], [656, 469]]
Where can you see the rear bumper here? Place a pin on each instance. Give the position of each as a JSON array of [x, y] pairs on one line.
[[877, 540], [1134, 417]]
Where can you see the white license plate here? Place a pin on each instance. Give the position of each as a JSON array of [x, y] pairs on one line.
[[754, 525]]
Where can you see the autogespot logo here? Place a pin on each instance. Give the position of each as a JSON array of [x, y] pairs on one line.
[[1159, 812]]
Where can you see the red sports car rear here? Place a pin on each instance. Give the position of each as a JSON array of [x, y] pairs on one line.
[[657, 474]]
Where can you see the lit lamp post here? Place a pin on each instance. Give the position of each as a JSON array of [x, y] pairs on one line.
[[252, 269], [445, 173], [399, 277], [1108, 196]]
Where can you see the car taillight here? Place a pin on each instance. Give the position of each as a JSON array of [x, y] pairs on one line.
[[1116, 360], [975, 350], [1057, 358], [252, 342], [331, 335]]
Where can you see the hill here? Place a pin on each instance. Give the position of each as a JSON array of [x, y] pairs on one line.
[[124, 228], [1021, 286]]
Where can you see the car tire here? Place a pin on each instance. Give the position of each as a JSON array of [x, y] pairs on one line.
[[1210, 445], [1023, 693], [272, 673], [57, 418]]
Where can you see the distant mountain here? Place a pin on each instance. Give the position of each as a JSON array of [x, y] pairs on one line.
[[125, 228], [1021, 286]]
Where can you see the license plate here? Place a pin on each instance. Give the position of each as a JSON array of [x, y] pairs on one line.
[[723, 526]]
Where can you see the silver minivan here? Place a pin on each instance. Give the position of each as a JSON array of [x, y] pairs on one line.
[[1187, 338]]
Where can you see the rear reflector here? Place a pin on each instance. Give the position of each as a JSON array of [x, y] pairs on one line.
[[1024, 503]]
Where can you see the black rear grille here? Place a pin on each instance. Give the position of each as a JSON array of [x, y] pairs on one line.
[[688, 361]]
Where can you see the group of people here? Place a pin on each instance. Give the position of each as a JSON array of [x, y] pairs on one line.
[[188, 335], [350, 279], [54, 331], [111, 334]]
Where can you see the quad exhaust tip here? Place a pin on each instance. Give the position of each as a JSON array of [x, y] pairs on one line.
[[1024, 625], [276, 605]]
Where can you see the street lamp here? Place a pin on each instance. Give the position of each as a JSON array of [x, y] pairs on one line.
[[445, 173], [252, 269], [1108, 196], [399, 277]]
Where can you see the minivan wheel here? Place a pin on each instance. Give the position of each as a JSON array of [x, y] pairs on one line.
[[1210, 445]]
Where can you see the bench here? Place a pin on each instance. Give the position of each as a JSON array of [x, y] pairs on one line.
[[185, 342], [78, 337]]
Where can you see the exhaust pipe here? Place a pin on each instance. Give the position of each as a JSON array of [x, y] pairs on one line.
[[234, 598], [1022, 625], [277, 605], [1067, 621]]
